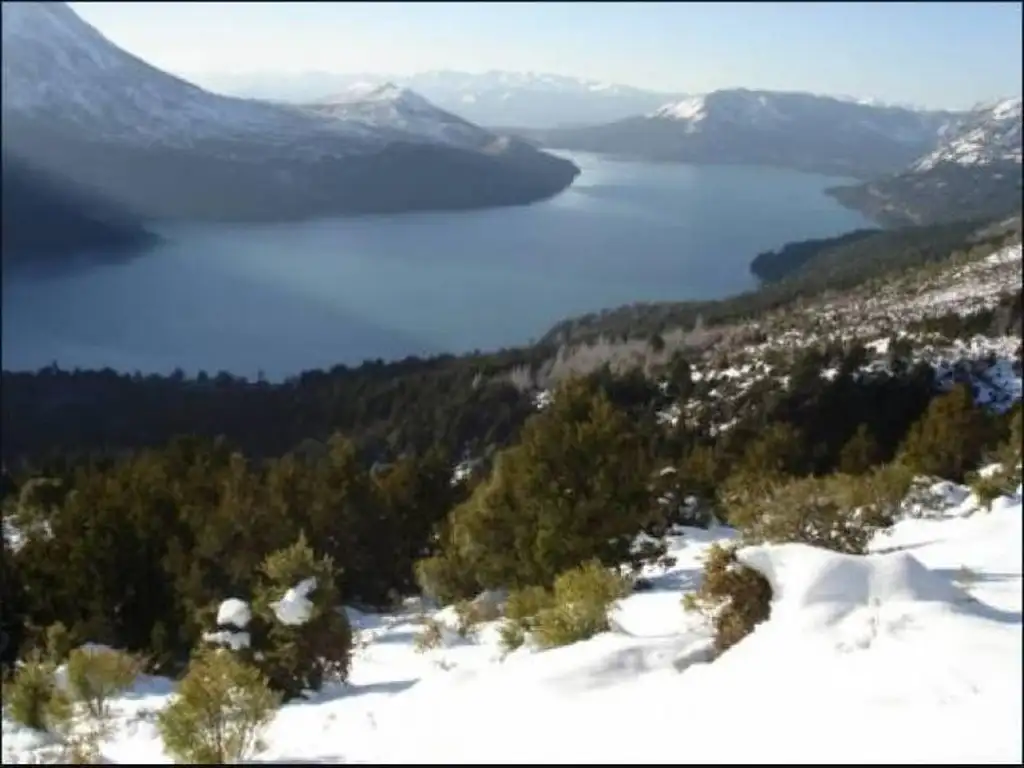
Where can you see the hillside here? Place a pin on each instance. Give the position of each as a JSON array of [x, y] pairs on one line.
[[833, 481], [830, 266], [804, 132], [975, 172], [930, 639], [77, 105]]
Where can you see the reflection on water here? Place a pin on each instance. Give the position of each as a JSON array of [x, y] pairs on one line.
[[288, 297]]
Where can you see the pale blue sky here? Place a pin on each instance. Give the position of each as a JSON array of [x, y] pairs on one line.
[[932, 54]]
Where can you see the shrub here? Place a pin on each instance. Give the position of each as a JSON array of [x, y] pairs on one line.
[[950, 438], [221, 709], [837, 512], [300, 637], [580, 604], [860, 453], [471, 613], [430, 637], [990, 487], [58, 642], [573, 489], [32, 698], [511, 636], [445, 577], [95, 675], [734, 597]]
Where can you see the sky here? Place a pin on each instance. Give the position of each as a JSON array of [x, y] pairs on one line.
[[950, 55]]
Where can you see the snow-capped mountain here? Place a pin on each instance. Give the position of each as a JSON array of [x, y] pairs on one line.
[[391, 108], [991, 134], [77, 105], [794, 130], [974, 172], [527, 99]]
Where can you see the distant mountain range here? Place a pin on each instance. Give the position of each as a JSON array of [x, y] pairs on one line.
[[919, 166], [77, 107], [805, 132], [974, 172], [526, 99]]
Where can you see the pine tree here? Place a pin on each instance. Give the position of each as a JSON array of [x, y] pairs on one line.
[[301, 637], [950, 438], [860, 453]]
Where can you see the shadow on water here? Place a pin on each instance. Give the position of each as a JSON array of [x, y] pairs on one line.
[[51, 267]]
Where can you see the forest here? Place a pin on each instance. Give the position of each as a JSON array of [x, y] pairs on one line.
[[134, 504]]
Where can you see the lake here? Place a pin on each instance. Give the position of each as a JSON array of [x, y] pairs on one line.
[[284, 298]]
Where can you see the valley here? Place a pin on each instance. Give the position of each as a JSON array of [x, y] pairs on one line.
[[373, 395]]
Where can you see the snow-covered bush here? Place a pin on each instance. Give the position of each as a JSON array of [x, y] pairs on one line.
[[295, 632], [222, 706], [732, 596], [302, 637]]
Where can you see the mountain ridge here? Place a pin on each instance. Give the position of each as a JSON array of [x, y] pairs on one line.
[[975, 171], [800, 131], [81, 108]]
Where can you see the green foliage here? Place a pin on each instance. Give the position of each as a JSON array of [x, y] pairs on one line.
[[59, 642], [300, 657], [732, 596], [951, 437], [221, 708], [837, 512], [860, 453], [581, 601], [842, 263], [95, 675], [991, 487], [573, 489], [32, 698], [511, 636]]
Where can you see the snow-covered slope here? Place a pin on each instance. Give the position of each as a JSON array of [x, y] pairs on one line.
[[391, 108], [988, 135], [77, 105], [912, 654], [974, 172], [57, 67]]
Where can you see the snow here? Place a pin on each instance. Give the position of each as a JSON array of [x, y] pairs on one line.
[[234, 613], [402, 112], [990, 134], [55, 63], [692, 108], [228, 639], [294, 609], [910, 654]]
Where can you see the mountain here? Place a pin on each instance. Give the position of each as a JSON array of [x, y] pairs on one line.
[[974, 172], [76, 105], [45, 219], [805, 132], [388, 107], [530, 99]]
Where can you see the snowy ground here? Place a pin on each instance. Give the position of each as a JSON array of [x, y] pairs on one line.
[[912, 654]]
